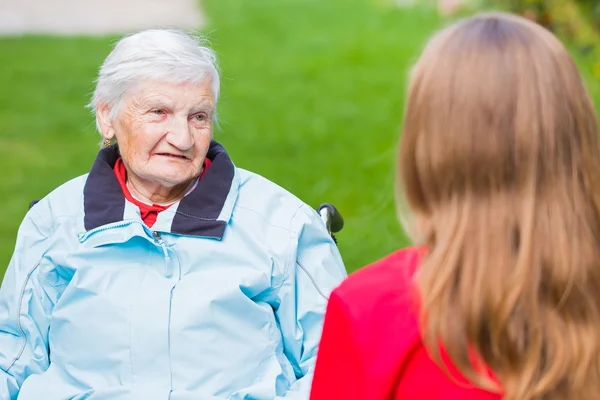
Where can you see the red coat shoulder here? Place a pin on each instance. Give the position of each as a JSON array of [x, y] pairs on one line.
[[370, 329], [383, 285], [371, 346]]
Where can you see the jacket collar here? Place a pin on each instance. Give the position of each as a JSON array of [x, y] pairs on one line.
[[203, 212]]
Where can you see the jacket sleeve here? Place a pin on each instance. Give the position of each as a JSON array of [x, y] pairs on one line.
[[315, 268], [339, 373], [24, 309]]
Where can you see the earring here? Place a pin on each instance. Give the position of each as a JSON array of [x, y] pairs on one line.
[[106, 143]]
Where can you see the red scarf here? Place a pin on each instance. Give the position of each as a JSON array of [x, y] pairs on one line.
[[149, 212]]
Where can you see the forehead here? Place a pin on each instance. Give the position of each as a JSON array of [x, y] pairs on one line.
[[188, 94]]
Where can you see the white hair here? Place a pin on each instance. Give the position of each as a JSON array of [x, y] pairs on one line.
[[167, 55]]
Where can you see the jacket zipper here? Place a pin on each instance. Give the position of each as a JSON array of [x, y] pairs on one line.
[[156, 236], [115, 225], [159, 240]]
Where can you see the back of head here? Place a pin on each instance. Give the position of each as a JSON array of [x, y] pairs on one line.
[[500, 166]]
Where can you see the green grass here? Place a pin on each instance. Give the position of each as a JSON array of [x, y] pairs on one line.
[[312, 98], [46, 135]]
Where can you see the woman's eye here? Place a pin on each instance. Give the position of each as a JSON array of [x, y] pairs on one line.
[[200, 117], [159, 111]]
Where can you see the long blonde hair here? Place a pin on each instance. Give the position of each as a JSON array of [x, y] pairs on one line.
[[500, 164]]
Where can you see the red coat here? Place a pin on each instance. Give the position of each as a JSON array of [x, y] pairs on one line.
[[371, 348]]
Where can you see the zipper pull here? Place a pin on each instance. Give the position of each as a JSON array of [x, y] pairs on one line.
[[159, 240]]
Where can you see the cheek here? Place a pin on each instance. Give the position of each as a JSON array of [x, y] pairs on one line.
[[139, 141], [203, 136], [202, 141]]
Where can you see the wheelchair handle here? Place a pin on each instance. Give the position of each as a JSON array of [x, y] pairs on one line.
[[331, 217]]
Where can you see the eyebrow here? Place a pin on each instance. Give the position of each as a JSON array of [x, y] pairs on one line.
[[204, 105], [156, 102]]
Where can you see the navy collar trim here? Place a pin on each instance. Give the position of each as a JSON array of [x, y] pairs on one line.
[[197, 213]]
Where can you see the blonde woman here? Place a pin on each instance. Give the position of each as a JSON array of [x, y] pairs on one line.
[[500, 299]]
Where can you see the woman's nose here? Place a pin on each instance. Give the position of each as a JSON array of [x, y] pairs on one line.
[[180, 135]]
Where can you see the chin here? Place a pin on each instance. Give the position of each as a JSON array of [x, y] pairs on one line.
[[172, 181], [173, 177]]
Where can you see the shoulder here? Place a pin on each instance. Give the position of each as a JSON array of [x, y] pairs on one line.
[[65, 200], [252, 183], [383, 292], [72, 188], [275, 204], [390, 275], [374, 311], [43, 221]]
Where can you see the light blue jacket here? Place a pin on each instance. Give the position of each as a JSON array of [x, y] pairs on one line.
[[222, 299]]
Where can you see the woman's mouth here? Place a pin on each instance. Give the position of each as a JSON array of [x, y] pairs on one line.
[[174, 156]]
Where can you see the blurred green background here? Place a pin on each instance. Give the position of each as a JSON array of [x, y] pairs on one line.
[[312, 98]]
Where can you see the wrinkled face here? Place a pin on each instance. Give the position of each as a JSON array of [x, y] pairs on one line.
[[163, 131]]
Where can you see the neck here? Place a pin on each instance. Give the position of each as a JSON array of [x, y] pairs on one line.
[[156, 193]]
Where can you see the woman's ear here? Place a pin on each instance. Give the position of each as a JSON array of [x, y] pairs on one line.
[[105, 124]]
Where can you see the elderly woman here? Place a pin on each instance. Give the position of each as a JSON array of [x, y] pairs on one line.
[[166, 272]]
